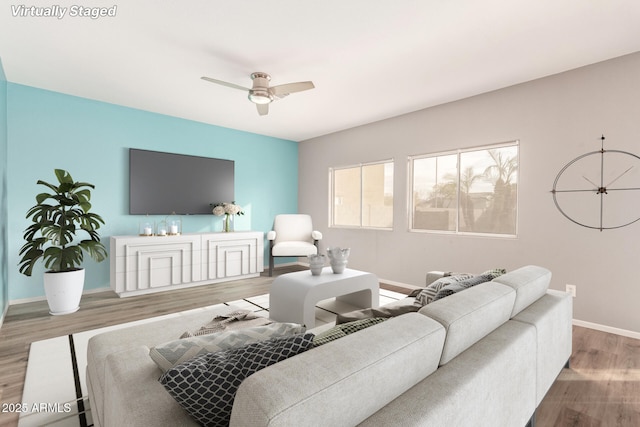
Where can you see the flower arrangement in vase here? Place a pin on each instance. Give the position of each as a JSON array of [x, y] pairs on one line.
[[228, 210]]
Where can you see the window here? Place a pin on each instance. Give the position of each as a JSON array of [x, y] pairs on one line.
[[362, 196], [467, 191]]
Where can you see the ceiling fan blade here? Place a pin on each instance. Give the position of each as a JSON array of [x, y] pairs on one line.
[[286, 89], [263, 109], [220, 82]]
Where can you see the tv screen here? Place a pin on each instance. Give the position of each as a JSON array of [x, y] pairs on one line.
[[166, 183]]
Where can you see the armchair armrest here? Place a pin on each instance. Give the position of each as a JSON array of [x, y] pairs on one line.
[[271, 235], [316, 235]]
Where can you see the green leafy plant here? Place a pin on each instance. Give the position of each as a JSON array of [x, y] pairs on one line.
[[57, 217]]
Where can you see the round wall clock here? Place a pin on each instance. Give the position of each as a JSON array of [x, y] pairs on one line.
[[600, 189]]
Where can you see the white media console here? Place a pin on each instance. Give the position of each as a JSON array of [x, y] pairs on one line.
[[145, 264]]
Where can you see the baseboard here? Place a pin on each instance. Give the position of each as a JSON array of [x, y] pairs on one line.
[[44, 298], [608, 329]]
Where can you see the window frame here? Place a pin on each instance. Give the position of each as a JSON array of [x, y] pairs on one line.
[[458, 153], [332, 196]]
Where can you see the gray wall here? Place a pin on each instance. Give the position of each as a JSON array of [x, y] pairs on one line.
[[555, 119]]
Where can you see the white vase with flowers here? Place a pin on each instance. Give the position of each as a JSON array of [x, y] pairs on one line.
[[228, 210]]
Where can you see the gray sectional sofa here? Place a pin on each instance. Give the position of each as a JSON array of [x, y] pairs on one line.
[[483, 356]]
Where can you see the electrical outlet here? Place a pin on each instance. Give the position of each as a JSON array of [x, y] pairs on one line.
[[571, 289]]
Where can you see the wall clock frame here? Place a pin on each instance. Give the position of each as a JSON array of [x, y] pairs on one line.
[[610, 176]]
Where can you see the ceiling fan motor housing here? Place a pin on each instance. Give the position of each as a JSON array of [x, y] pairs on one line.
[[260, 94]]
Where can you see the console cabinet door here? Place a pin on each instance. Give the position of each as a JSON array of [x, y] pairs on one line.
[[231, 255], [156, 262]]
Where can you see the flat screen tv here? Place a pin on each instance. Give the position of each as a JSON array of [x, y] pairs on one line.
[[166, 183]]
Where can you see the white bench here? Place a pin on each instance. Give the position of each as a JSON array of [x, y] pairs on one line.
[[293, 296]]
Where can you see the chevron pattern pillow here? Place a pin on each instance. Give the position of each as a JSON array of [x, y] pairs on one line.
[[453, 288], [427, 294], [345, 329]]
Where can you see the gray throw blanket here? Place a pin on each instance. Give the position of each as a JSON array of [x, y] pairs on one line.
[[234, 320]]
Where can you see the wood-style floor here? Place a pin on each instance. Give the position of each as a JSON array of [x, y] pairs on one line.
[[601, 389]]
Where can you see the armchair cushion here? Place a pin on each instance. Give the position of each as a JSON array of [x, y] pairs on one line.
[[294, 249], [293, 227]]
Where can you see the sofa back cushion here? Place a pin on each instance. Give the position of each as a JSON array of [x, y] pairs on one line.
[[530, 283], [470, 315], [374, 366]]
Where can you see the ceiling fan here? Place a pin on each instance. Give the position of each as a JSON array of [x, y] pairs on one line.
[[261, 94]]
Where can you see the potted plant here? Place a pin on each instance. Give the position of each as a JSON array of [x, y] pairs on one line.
[[56, 219]]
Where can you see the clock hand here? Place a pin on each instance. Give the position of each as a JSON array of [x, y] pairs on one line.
[[619, 176], [590, 182]]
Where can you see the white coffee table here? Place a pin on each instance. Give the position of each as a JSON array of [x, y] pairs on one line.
[[293, 296]]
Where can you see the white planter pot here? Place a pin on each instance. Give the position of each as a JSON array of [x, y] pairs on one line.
[[63, 291]]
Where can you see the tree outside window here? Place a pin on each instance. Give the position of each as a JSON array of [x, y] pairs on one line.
[[470, 191]]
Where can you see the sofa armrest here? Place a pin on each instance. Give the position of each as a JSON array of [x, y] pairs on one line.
[[432, 276]]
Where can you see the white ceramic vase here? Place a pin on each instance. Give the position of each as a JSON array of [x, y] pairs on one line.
[[316, 264], [63, 291], [338, 259]]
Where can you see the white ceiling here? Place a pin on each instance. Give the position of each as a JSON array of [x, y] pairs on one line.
[[369, 59]]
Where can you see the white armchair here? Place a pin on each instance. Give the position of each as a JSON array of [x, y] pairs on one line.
[[292, 236]]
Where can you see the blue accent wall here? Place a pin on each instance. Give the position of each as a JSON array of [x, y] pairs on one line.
[[90, 139], [4, 276]]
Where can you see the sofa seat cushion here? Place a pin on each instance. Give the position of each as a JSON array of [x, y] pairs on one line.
[[134, 397], [374, 366], [470, 315], [530, 283], [294, 249], [206, 385], [148, 334]]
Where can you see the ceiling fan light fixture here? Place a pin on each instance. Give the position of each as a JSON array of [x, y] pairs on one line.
[[260, 97], [261, 93]]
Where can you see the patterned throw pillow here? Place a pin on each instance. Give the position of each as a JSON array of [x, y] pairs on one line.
[[496, 272], [461, 286], [179, 351], [345, 329], [427, 294], [206, 385]]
